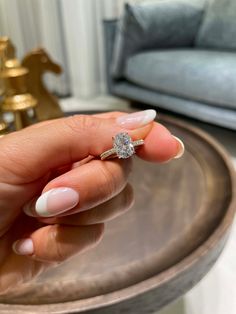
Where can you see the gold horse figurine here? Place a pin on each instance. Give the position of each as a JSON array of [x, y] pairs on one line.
[[38, 62]]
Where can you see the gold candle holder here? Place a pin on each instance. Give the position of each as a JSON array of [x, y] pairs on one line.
[[16, 98], [7, 51], [19, 106]]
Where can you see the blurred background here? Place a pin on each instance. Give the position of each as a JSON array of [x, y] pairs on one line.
[[71, 31]]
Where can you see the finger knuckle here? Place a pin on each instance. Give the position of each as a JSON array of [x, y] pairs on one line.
[[80, 123]]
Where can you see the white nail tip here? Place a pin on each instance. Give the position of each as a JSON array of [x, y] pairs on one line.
[[23, 247], [56, 201], [149, 115], [41, 205], [181, 151]]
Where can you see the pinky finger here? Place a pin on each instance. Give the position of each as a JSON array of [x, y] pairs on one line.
[[57, 243]]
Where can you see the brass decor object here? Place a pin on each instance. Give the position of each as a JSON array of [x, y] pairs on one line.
[[16, 98], [22, 91], [7, 51], [38, 62]]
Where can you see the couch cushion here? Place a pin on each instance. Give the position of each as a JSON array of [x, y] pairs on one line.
[[206, 76], [218, 29], [161, 24]]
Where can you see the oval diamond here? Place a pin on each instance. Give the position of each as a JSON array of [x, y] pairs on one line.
[[123, 145]]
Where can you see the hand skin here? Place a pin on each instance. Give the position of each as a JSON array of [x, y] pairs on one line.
[[55, 154]]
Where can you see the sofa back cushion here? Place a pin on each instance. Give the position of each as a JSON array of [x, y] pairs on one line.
[[218, 29], [161, 24]]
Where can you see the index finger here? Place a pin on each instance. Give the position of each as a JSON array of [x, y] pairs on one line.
[[160, 145]]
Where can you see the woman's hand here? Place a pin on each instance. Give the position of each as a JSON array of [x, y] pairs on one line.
[[52, 171]]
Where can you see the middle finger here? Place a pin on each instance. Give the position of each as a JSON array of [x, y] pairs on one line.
[[102, 213], [81, 188]]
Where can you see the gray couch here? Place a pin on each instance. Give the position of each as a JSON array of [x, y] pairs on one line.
[[179, 55]]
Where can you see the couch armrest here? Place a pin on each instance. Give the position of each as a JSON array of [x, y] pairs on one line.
[[163, 24]]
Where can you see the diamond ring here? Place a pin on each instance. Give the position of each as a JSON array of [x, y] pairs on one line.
[[123, 147]]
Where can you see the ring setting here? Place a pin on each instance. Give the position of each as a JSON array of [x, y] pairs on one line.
[[123, 147]]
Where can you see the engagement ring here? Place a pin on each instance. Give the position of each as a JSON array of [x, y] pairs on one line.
[[123, 147]]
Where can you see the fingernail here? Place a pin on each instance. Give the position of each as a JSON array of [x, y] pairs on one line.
[[137, 119], [56, 201], [181, 148], [23, 247]]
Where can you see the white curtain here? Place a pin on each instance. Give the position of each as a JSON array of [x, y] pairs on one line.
[[70, 30]]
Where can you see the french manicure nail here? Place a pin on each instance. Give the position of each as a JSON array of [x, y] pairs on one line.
[[137, 119], [56, 201], [23, 247], [181, 148]]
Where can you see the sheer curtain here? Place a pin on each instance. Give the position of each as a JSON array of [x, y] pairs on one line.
[[31, 24], [70, 30], [84, 41]]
